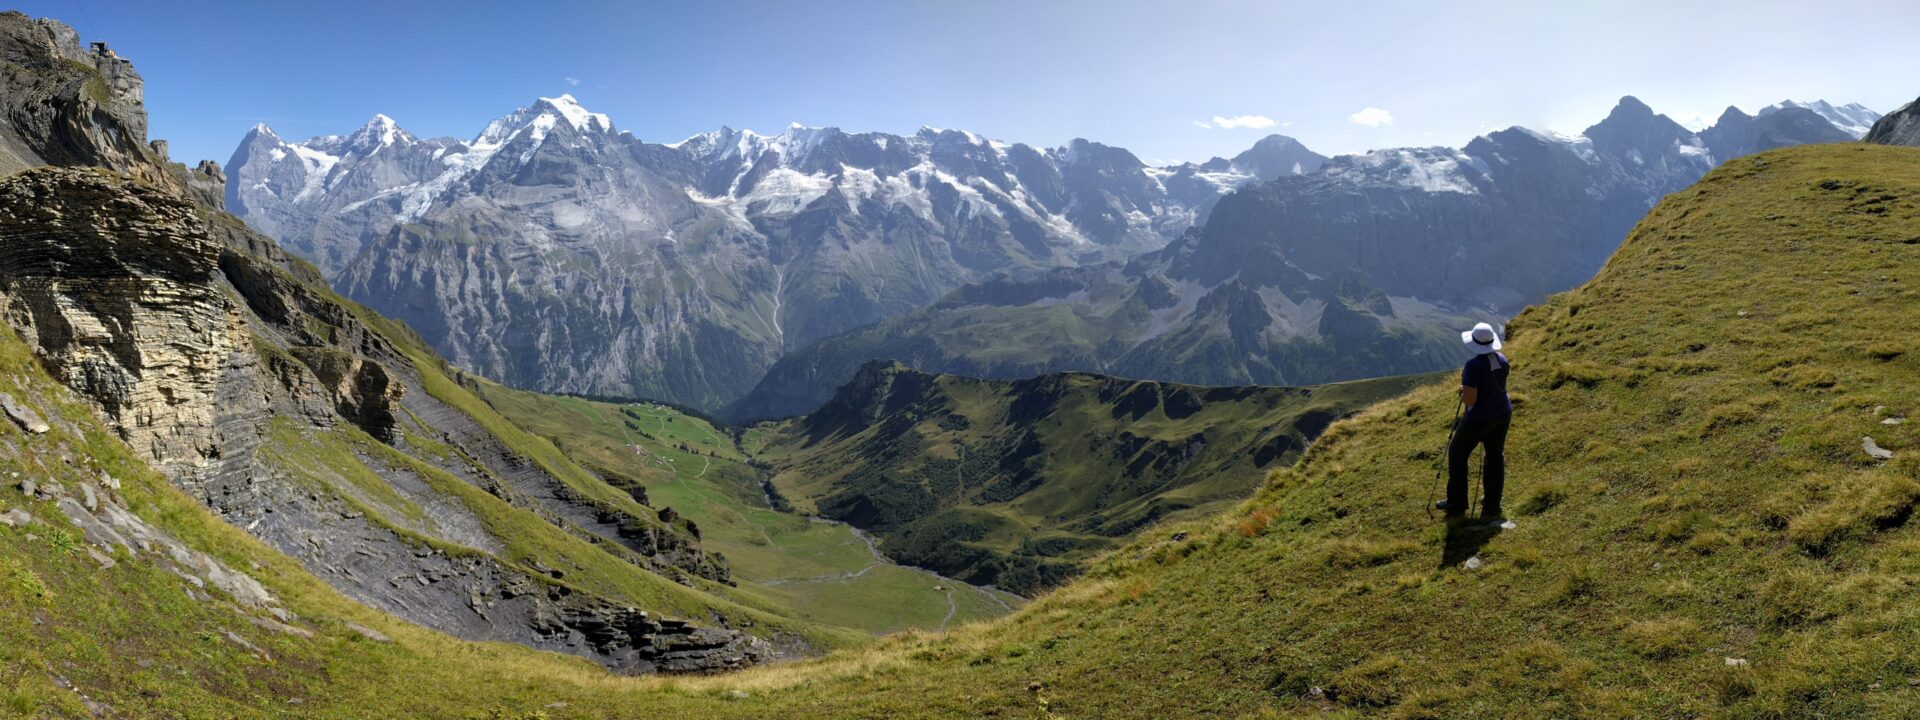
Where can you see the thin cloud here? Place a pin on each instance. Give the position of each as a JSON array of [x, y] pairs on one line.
[[1237, 121], [1692, 120], [1372, 117], [573, 81]]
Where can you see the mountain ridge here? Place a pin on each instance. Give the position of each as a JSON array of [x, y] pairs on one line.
[[707, 259], [1365, 267]]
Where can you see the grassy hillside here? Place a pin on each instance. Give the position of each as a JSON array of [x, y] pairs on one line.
[[1699, 534], [1018, 483], [817, 571]]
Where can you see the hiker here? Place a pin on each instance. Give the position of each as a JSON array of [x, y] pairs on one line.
[[1483, 391]]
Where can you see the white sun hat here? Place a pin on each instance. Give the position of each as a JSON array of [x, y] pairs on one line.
[[1481, 339]]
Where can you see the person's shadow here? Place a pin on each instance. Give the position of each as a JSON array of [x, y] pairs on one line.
[[1464, 540]]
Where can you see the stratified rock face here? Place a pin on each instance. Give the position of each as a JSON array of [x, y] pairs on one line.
[[1356, 270], [552, 252], [1900, 127], [114, 281], [66, 105], [210, 351]]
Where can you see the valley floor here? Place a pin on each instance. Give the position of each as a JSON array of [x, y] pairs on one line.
[[824, 572]]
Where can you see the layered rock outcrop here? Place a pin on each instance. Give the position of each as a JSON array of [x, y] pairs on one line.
[[113, 281], [213, 353], [70, 105]]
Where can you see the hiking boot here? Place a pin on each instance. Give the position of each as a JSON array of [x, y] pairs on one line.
[[1492, 513], [1450, 510]]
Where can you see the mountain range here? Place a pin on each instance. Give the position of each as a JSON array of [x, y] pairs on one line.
[[554, 252], [229, 492], [1366, 267]]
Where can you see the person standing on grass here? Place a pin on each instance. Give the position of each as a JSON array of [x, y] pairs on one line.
[[1483, 391]]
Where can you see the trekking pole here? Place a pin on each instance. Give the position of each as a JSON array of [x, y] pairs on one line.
[[1442, 465]]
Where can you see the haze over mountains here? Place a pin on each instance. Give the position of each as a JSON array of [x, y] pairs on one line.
[[553, 252]]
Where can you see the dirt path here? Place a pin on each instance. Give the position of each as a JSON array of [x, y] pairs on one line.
[[952, 608]]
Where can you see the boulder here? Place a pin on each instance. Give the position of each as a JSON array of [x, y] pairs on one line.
[[22, 415], [15, 518]]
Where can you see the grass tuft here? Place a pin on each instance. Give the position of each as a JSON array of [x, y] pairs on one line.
[[1662, 639]]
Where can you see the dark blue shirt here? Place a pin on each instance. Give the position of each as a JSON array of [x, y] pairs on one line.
[[1488, 374]]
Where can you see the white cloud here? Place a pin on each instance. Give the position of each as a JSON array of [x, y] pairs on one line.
[[573, 81], [1372, 117], [1692, 120], [1236, 122]]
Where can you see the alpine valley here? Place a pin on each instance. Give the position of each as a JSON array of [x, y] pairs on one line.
[[934, 425]]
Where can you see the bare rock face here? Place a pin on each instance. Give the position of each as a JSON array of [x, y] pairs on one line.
[[70, 105], [362, 391], [190, 348], [113, 281], [1900, 127], [204, 345]]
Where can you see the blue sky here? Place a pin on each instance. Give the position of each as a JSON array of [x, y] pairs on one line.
[[1179, 80]]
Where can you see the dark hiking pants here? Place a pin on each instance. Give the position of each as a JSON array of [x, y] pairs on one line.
[[1492, 434]]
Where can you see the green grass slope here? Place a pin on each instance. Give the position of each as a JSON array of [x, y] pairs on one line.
[[817, 571], [1699, 534], [348, 463], [1699, 530], [1019, 483]]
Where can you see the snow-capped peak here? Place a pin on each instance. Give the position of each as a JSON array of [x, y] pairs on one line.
[[378, 133], [576, 115], [1852, 118], [262, 129]]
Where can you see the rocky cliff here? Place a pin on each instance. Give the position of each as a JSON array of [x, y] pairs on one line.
[[69, 105], [318, 426], [1900, 127]]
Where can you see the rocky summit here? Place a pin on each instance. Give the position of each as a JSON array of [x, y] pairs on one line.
[[554, 252]]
